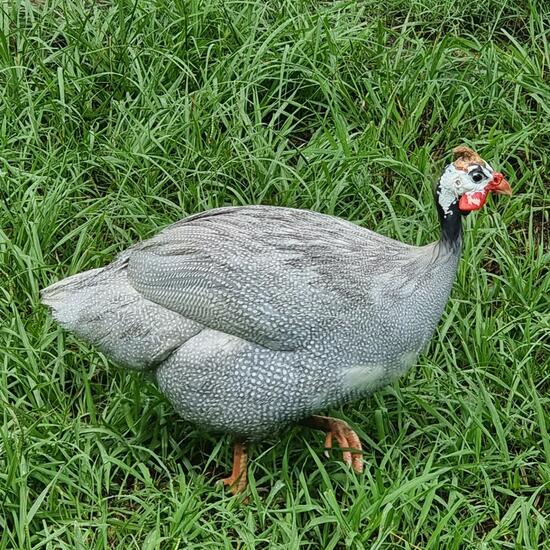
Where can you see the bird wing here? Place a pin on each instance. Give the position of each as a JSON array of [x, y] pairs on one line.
[[269, 275]]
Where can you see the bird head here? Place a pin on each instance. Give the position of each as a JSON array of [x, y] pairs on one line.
[[468, 181]]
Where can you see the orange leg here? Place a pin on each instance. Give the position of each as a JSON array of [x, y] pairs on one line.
[[237, 480], [347, 439]]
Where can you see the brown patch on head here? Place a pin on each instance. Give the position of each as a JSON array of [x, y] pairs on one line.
[[464, 157]]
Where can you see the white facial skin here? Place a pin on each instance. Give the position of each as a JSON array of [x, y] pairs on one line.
[[454, 183]]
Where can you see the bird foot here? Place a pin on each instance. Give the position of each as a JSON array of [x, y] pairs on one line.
[[346, 438], [237, 481]]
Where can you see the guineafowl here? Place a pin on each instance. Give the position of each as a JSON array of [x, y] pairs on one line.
[[253, 318]]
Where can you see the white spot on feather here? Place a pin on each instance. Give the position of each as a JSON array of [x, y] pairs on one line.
[[407, 360], [363, 377]]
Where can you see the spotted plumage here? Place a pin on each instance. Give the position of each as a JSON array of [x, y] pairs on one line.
[[257, 316], [254, 317]]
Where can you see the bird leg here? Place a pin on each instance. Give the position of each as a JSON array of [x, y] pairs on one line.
[[237, 480], [347, 439]]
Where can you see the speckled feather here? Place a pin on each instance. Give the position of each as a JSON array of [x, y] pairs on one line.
[[255, 317]]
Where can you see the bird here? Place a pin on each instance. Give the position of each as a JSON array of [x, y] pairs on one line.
[[251, 319]]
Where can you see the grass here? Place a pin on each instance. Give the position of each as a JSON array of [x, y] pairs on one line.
[[119, 117]]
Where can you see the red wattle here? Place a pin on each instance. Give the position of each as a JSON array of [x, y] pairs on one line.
[[472, 201]]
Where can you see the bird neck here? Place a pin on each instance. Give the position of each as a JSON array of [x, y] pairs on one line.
[[450, 222]]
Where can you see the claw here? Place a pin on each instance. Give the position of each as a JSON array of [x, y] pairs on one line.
[[347, 439]]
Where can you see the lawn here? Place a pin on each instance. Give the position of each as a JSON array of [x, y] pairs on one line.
[[119, 117]]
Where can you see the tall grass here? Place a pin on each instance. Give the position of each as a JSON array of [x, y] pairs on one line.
[[120, 117]]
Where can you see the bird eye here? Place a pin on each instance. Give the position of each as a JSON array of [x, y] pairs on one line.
[[477, 176]]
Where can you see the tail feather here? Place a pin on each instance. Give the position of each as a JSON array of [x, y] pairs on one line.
[[101, 307], [68, 297]]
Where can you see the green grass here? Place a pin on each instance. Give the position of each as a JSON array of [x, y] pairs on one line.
[[119, 117]]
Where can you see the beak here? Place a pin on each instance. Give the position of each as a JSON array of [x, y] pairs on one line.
[[500, 185]]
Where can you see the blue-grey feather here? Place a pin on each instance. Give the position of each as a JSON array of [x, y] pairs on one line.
[[255, 317]]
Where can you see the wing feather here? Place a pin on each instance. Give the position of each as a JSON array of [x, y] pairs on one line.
[[269, 275]]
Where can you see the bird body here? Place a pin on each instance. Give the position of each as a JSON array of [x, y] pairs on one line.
[[255, 317]]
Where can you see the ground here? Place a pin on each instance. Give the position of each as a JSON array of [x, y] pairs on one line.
[[121, 116]]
